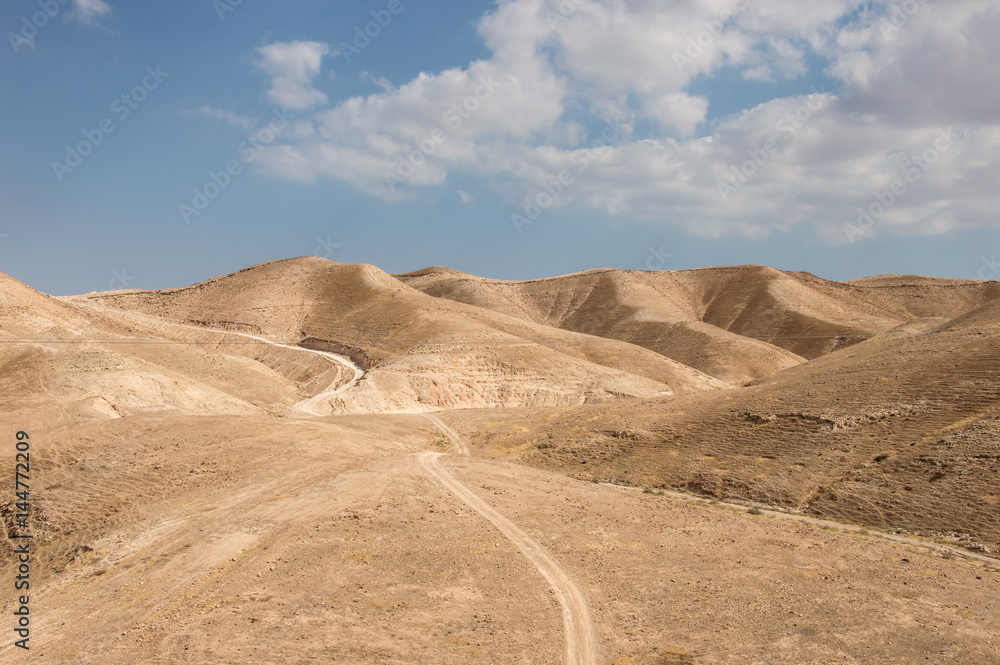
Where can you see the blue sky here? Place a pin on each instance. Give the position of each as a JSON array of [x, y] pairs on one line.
[[518, 139]]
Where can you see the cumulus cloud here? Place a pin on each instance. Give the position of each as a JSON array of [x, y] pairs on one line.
[[594, 95], [88, 12], [924, 62], [292, 67]]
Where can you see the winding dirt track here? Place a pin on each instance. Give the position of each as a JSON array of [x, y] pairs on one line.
[[846, 528], [455, 439], [309, 404], [576, 615]]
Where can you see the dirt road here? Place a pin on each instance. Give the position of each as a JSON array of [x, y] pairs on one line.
[[455, 439], [577, 622], [815, 521], [306, 406], [309, 404], [576, 615]]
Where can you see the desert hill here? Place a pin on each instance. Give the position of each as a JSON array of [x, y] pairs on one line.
[[895, 360], [423, 353], [99, 363], [210, 485], [616, 305], [738, 323], [28, 314], [898, 431]]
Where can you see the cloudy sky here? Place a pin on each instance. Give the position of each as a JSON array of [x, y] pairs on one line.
[[157, 144]]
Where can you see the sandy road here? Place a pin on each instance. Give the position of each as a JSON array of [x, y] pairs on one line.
[[455, 439], [308, 405], [576, 615], [577, 623]]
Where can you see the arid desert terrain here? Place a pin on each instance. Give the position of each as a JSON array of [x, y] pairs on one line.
[[314, 462]]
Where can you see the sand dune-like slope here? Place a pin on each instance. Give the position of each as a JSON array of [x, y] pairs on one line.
[[183, 511], [87, 362], [984, 318], [28, 315], [617, 305], [899, 431], [738, 323], [422, 353]]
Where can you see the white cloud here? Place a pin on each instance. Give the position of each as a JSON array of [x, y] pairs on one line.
[[229, 117], [465, 197], [292, 67], [538, 106], [88, 12], [927, 66]]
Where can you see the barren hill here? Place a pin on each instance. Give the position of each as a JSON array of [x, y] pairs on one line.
[[423, 353], [899, 431], [86, 363], [248, 469], [738, 323]]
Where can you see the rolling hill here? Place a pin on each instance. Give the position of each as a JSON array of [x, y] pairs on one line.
[[456, 483]]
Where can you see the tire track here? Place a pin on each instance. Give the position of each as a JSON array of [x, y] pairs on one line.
[[455, 439], [577, 623], [308, 405]]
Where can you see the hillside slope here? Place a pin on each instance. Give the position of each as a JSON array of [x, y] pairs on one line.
[[900, 431], [738, 323], [184, 510], [423, 353]]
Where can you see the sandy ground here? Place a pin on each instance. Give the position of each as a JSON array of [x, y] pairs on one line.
[[196, 500], [330, 541]]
